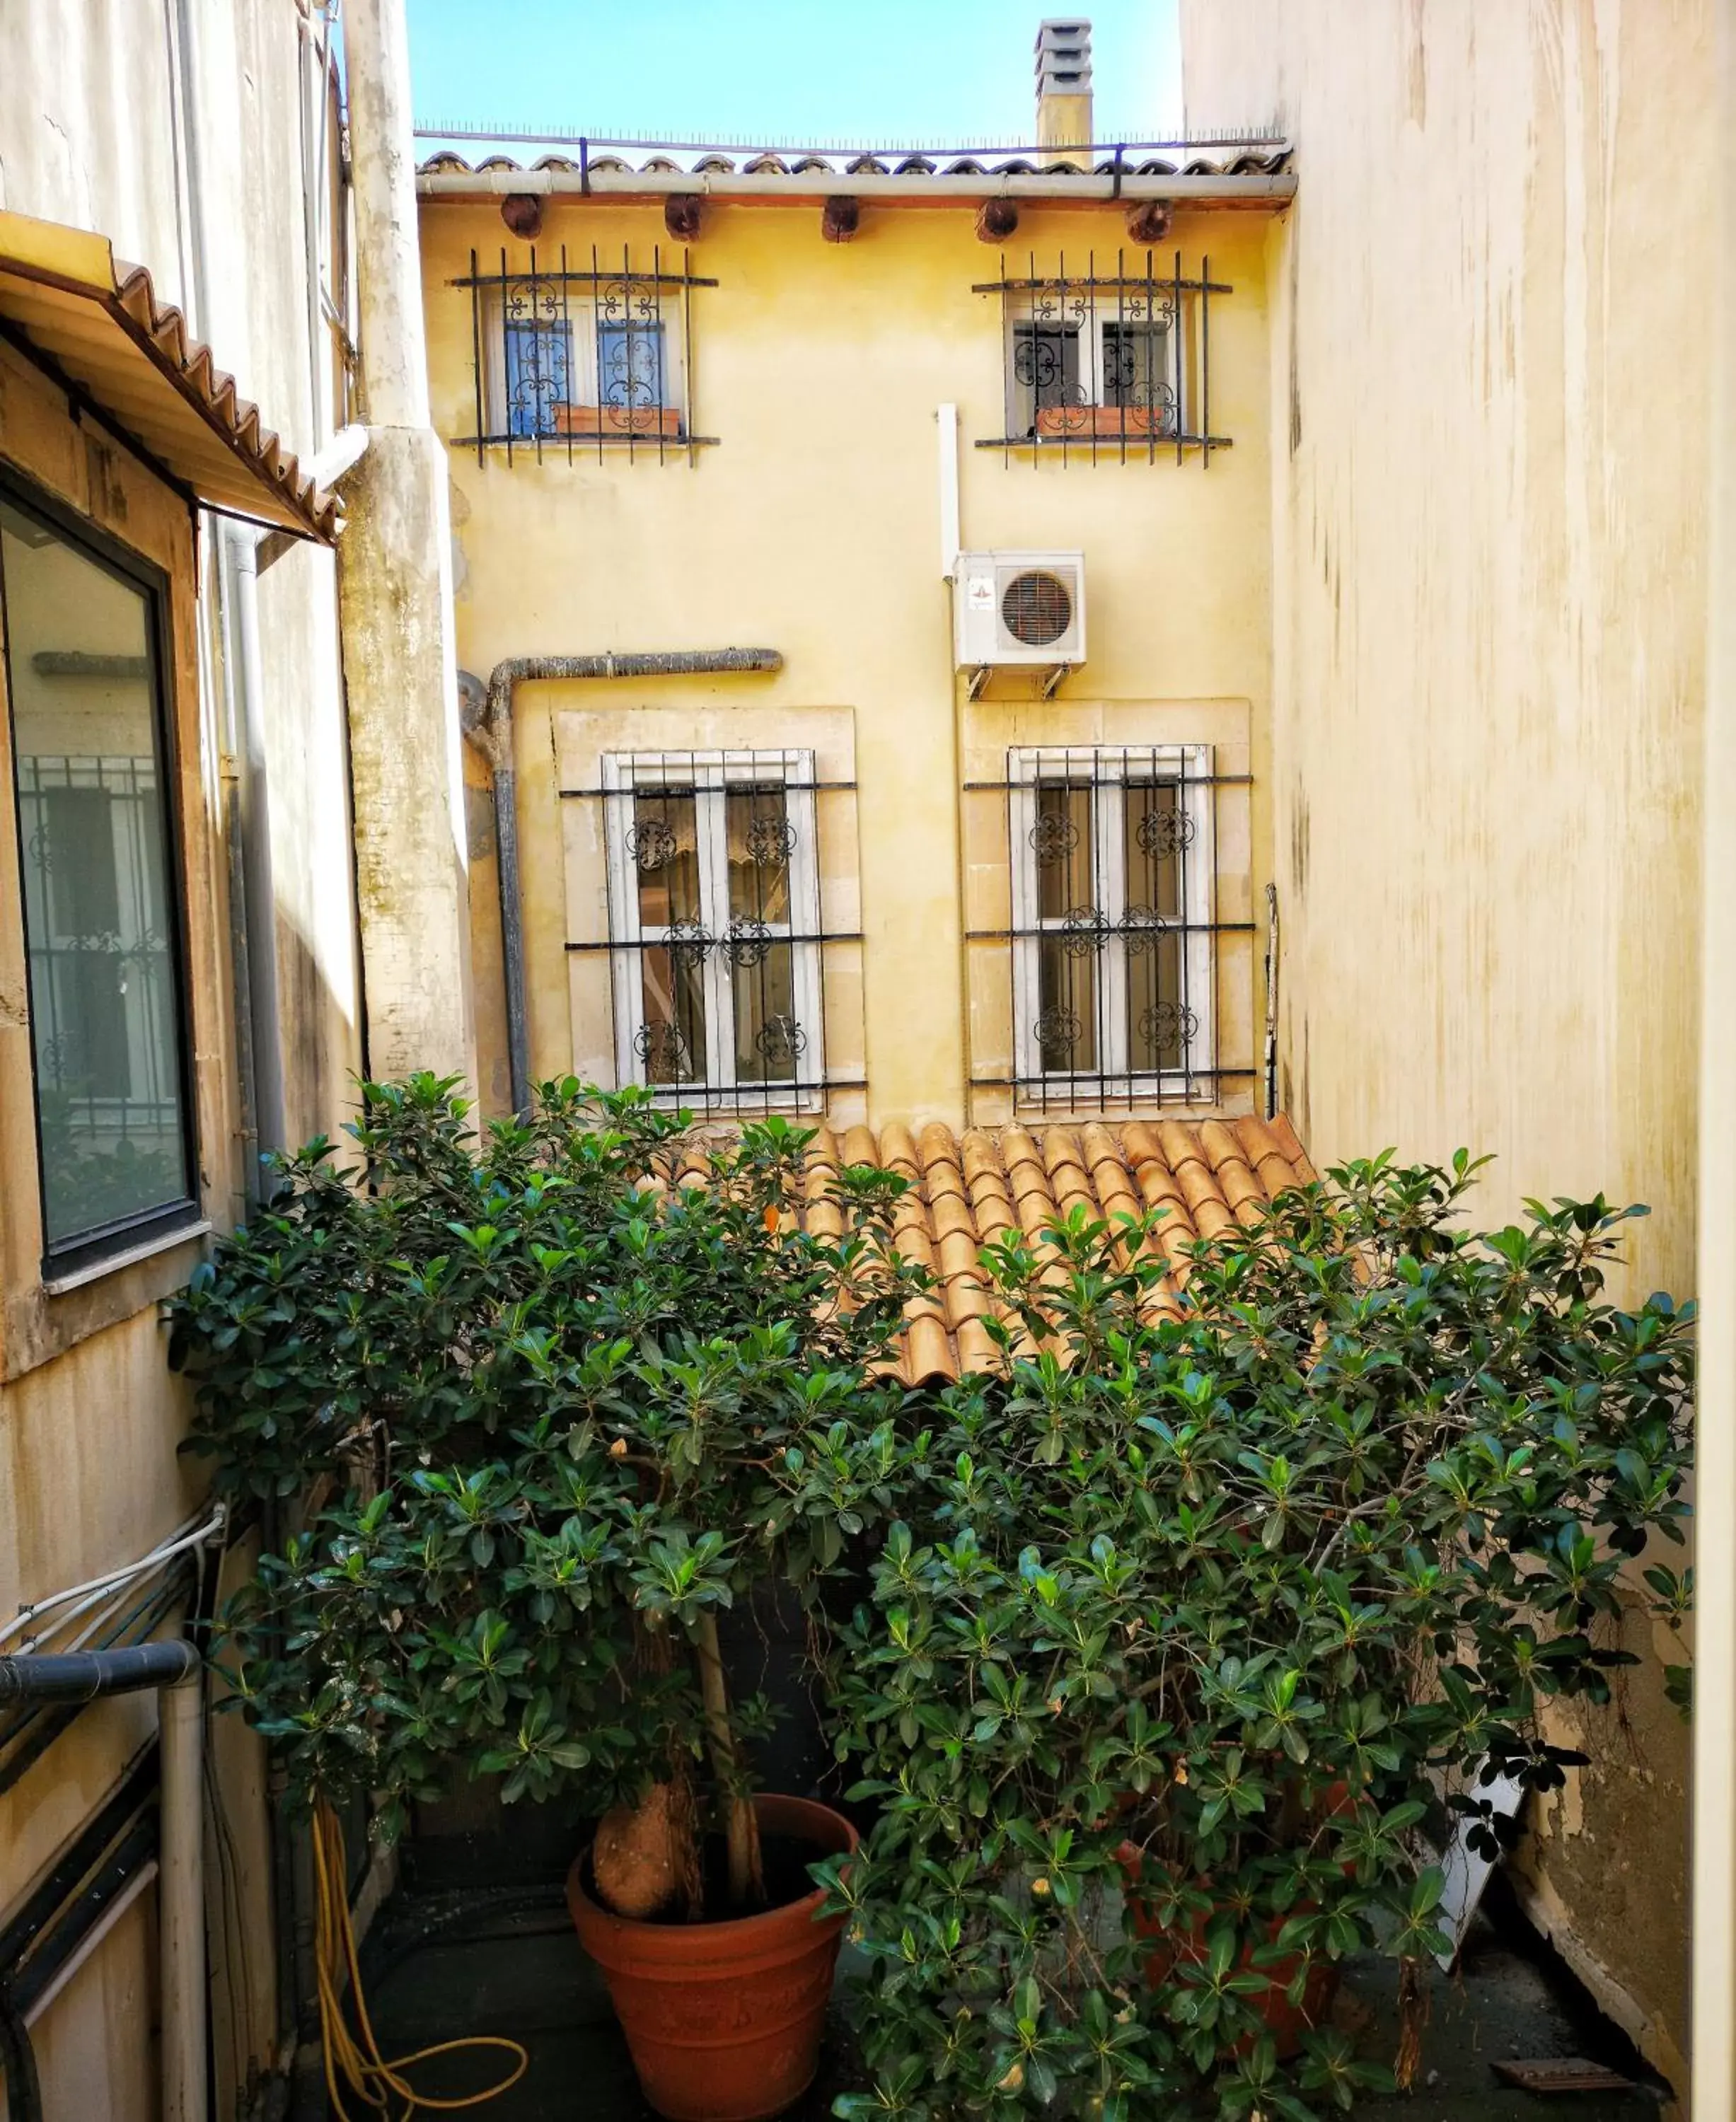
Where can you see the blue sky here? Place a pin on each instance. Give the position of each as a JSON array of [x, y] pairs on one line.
[[947, 72]]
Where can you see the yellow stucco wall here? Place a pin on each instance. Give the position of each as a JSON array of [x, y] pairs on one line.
[[813, 528], [1489, 397]]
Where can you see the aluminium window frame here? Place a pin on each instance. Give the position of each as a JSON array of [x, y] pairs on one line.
[[711, 775], [1107, 768], [123, 1238]]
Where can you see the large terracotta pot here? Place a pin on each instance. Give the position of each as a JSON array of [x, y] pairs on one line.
[[1285, 2022], [724, 2019]]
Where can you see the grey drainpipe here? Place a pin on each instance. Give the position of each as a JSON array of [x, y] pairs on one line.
[[486, 713], [176, 1669], [83, 1675]]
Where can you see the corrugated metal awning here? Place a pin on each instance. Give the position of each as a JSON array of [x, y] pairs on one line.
[[98, 328]]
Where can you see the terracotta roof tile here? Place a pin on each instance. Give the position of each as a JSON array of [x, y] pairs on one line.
[[1260, 158], [971, 1189], [102, 325], [1263, 158]]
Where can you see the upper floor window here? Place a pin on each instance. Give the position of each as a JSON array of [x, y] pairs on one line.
[[1113, 930], [714, 909], [1115, 361], [101, 918], [582, 358], [1071, 367]]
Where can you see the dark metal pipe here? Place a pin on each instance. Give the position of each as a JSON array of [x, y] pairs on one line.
[[83, 1675], [486, 713], [670, 663]]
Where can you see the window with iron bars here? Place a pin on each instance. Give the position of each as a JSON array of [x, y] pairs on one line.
[[1114, 362], [1112, 922], [577, 357], [714, 926]]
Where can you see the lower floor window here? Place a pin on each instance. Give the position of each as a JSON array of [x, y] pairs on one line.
[[715, 916], [100, 915], [1112, 972]]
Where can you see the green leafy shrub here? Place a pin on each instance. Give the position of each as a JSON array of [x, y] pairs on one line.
[[545, 1409], [1214, 1596]]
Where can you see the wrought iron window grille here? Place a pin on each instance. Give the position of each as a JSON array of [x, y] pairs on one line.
[[1111, 364], [717, 945], [572, 359], [1114, 967]]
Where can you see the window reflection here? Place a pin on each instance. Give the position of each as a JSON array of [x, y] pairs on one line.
[[105, 989]]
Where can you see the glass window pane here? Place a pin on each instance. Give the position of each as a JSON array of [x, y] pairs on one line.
[[630, 368], [1060, 840], [671, 1035], [106, 997], [760, 841], [1137, 371], [1157, 830], [1158, 1023], [1066, 1027], [1046, 371], [664, 844], [769, 1041], [538, 346]]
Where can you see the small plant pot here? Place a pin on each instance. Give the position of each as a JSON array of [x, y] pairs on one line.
[[724, 2019]]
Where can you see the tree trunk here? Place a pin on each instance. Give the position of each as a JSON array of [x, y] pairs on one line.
[[741, 1827]]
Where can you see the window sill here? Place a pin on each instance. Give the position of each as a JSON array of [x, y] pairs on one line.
[[1117, 441], [1106, 420], [572, 444], [80, 1277], [748, 1103], [48, 1318]]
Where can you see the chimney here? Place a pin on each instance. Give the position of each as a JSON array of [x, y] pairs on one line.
[[1064, 89]]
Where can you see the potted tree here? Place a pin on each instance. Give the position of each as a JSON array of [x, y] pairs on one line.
[[1192, 1614], [548, 1402]]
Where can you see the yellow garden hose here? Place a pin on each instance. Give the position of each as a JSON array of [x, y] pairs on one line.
[[354, 2055]]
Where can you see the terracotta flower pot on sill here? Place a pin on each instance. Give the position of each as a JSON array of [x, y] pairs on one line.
[[724, 2019], [650, 421], [1105, 422]]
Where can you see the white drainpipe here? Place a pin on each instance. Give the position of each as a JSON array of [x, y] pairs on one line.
[[946, 421]]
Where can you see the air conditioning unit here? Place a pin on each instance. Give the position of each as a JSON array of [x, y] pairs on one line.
[[1025, 609]]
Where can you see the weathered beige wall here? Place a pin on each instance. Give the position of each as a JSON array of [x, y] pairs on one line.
[[1490, 392], [813, 529], [93, 132]]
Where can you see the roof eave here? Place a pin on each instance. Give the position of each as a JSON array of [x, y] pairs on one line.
[[56, 283], [1271, 193]]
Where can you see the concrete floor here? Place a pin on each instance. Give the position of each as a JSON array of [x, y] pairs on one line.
[[1508, 1999], [504, 1959]]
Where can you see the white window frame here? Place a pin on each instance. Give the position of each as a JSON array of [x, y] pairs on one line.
[[711, 774], [1091, 312], [1107, 769], [582, 322]]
